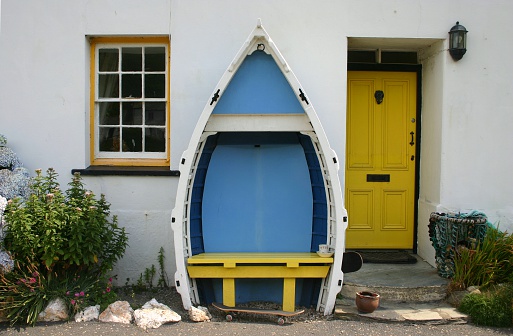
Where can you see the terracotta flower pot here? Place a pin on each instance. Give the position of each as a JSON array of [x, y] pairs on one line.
[[367, 302]]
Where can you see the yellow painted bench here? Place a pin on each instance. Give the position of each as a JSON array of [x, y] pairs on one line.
[[231, 266]]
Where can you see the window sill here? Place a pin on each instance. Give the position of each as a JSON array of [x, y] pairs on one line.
[[126, 171]]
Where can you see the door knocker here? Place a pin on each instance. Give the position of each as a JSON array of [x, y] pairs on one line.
[[379, 95]]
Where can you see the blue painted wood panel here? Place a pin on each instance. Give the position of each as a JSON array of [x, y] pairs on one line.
[[258, 87], [257, 198], [196, 231], [320, 211]]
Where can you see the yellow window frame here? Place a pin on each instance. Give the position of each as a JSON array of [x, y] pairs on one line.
[[147, 162]]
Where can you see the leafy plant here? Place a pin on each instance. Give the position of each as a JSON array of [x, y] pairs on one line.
[[492, 308], [149, 274], [68, 238], [486, 263], [145, 280], [162, 282], [85, 290], [24, 293], [70, 231]]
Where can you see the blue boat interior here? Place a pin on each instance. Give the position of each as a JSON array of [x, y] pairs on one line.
[[258, 191]]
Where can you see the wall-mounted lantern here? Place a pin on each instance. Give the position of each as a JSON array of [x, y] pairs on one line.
[[457, 41]]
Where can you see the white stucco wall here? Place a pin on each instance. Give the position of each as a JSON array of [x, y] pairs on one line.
[[44, 91], [475, 160], [44, 108]]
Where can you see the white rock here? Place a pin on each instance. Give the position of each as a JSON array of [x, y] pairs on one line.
[[89, 314], [473, 290], [154, 314], [200, 314], [117, 312], [55, 311]]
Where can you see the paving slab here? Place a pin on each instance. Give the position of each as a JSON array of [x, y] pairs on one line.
[[410, 293], [424, 313]]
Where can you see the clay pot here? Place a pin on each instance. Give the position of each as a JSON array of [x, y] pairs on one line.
[[367, 302]]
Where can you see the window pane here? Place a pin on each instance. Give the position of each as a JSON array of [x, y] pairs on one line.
[[155, 59], [404, 57], [155, 114], [109, 113], [155, 140], [108, 59], [132, 139], [155, 86], [132, 113], [131, 86], [109, 139], [108, 86], [131, 59]]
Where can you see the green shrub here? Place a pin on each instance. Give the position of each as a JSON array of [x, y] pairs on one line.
[[491, 308], [489, 262], [68, 238]]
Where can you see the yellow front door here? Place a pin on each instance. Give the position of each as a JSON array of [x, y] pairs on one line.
[[380, 163]]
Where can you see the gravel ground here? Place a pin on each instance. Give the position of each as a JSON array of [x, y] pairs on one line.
[[308, 323], [173, 300]]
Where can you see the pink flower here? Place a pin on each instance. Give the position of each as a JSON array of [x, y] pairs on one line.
[[67, 293], [110, 279], [32, 280], [77, 294], [73, 302], [35, 274], [82, 293], [108, 289]]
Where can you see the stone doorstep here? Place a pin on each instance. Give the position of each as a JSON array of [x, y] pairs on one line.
[[421, 313], [399, 294]]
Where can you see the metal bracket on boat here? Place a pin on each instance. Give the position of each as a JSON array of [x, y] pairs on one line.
[[215, 97], [303, 97], [261, 46]]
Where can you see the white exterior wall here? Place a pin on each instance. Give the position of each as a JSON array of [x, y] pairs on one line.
[[44, 91], [44, 109]]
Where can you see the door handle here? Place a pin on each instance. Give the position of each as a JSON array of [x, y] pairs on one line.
[[412, 142]]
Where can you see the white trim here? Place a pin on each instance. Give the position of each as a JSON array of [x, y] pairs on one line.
[[142, 155], [258, 123], [337, 221]]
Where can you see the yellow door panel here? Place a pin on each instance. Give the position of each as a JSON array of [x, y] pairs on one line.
[[362, 203], [394, 210], [394, 125], [361, 140], [380, 163]]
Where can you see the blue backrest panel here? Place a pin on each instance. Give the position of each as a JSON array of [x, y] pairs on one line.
[[257, 197]]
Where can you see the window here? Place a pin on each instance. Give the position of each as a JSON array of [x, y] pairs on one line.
[[130, 101], [383, 57]]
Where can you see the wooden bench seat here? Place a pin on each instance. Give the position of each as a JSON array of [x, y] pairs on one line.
[[231, 266]]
